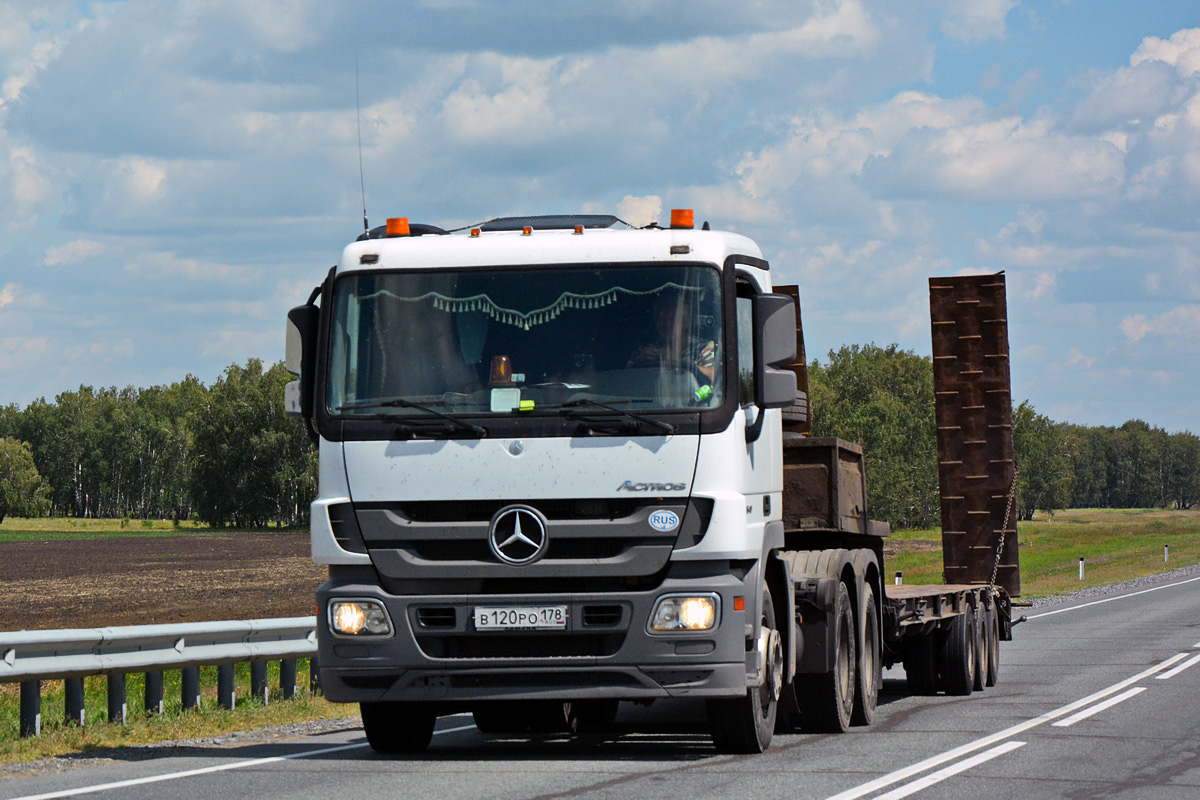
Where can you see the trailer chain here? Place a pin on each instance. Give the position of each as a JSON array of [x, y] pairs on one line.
[[1012, 494]]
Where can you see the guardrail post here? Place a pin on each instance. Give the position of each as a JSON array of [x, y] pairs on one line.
[[314, 676], [117, 709], [154, 692], [287, 678], [189, 680], [31, 708], [73, 692], [258, 681], [226, 691]]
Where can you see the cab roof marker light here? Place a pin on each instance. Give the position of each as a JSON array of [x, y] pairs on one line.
[[526, 231], [397, 226], [578, 229], [475, 233], [682, 218]]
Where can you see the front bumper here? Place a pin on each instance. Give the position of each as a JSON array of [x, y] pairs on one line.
[[436, 654]]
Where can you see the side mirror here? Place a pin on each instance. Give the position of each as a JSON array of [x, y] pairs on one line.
[[774, 347], [300, 358]]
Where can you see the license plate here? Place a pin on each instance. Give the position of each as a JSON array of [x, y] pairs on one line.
[[522, 618]]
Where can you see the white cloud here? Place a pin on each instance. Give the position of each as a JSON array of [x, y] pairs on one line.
[[1076, 358], [975, 20], [1181, 51], [640, 211], [8, 294], [72, 252], [1180, 325]]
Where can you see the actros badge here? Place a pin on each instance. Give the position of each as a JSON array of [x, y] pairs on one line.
[[518, 535]]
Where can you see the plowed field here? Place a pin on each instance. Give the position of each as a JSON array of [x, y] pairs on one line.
[[107, 581]]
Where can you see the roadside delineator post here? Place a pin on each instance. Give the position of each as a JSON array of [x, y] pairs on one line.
[[1081, 568], [899, 578], [1165, 553]]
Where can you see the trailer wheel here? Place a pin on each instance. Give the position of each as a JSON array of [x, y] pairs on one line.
[[981, 649], [393, 727], [827, 700], [992, 626], [870, 662], [746, 724], [957, 657], [920, 664]]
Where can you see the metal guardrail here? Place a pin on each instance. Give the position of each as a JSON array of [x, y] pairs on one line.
[[30, 657]]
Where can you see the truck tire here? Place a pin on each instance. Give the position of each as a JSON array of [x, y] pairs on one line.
[[920, 664], [870, 661], [992, 626], [956, 664], [746, 724], [827, 700], [981, 649], [393, 727]]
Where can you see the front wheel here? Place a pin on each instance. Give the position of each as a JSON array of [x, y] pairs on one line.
[[398, 727], [746, 724]]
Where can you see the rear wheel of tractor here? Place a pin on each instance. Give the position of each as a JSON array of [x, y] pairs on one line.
[[958, 659], [992, 626], [398, 727], [870, 662], [827, 700], [746, 724]]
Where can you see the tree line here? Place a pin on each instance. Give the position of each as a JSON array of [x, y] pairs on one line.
[[224, 454], [228, 455], [882, 398]]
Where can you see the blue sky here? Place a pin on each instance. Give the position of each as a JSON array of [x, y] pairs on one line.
[[175, 175]]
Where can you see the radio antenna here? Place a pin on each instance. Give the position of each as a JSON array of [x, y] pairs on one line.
[[362, 181]]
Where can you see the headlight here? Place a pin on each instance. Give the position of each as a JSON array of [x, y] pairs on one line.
[[358, 617], [682, 612]]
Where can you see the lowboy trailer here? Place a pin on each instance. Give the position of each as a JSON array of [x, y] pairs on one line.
[[566, 463]]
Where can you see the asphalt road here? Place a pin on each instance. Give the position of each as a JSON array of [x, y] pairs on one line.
[[1097, 699]]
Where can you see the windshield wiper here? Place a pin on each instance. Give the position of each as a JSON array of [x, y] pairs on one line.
[[665, 427], [399, 402]]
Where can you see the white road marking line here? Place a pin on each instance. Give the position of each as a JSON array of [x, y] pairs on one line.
[[1096, 709], [942, 774], [256, 762], [1196, 646], [1191, 662], [1007, 733], [1110, 599]]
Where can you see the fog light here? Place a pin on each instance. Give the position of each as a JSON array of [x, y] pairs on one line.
[[358, 617], [684, 612]]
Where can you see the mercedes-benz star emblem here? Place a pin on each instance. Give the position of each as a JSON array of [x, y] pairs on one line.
[[518, 535]]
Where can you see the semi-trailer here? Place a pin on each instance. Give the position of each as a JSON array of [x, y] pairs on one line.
[[566, 462]]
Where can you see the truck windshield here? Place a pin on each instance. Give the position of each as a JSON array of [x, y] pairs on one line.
[[523, 340]]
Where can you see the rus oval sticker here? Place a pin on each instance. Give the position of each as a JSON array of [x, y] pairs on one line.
[[664, 520]]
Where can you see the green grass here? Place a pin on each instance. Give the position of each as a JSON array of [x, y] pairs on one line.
[[1116, 545], [209, 719], [16, 529]]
